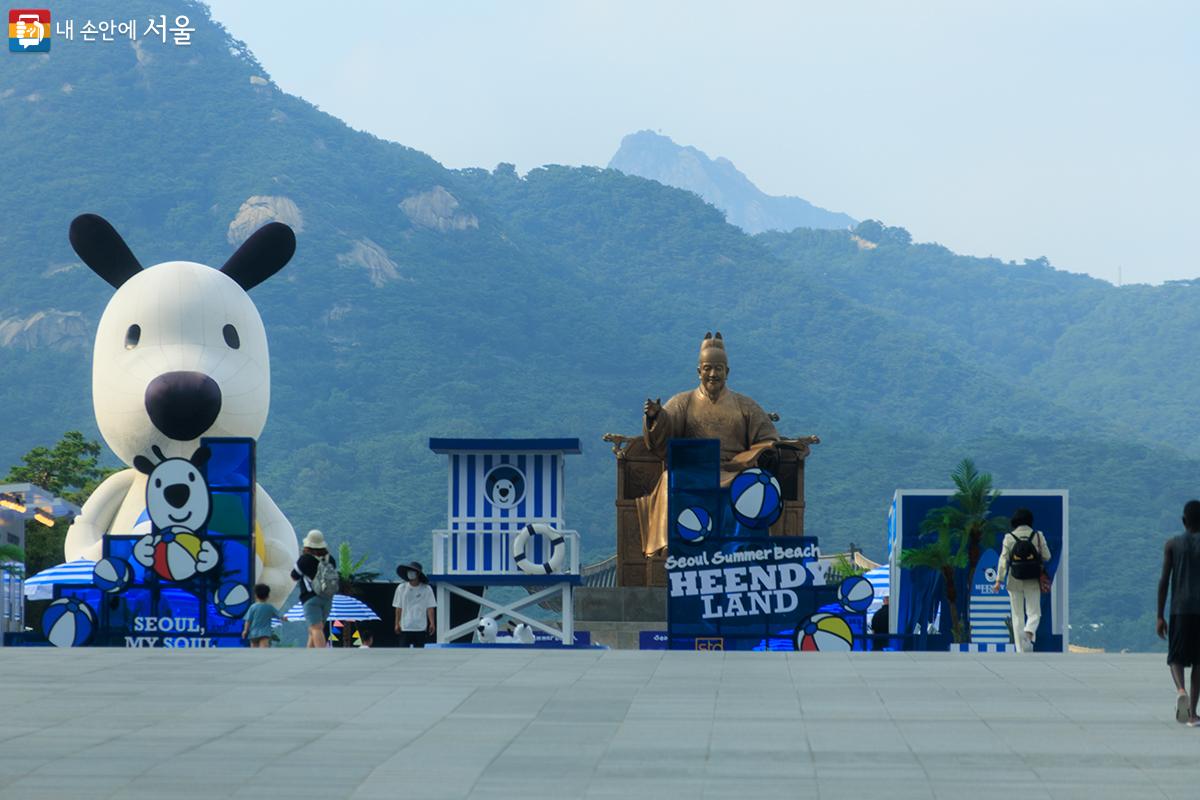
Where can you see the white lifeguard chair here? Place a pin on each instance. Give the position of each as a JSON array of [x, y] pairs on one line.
[[505, 528]]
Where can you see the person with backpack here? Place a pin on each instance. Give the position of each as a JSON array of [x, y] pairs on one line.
[[1023, 558], [1181, 576], [317, 574]]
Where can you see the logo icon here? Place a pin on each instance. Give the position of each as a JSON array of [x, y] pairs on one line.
[[504, 486], [29, 30]]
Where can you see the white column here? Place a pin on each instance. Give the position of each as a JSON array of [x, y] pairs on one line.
[[568, 613]]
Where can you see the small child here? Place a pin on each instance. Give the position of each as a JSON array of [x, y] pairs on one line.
[[258, 619]]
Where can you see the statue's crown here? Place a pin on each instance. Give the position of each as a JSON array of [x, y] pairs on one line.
[[713, 347]]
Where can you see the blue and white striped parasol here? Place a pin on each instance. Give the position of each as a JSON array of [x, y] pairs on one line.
[[880, 578], [345, 608], [73, 573]]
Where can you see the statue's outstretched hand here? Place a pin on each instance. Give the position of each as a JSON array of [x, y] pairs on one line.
[[652, 409]]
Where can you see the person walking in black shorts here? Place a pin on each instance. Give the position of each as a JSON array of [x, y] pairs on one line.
[[1181, 573]]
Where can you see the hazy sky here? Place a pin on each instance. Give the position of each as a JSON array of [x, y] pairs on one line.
[[1013, 129]]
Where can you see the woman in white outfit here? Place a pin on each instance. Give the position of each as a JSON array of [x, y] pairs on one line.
[[1024, 583]]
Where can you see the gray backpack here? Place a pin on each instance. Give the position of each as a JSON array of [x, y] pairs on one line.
[[327, 580]]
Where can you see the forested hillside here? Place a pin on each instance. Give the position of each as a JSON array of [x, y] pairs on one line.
[[1121, 352], [428, 302]]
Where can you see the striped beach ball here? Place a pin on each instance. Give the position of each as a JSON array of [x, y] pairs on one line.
[[856, 594], [693, 524], [824, 633], [112, 574], [175, 555], [232, 599], [756, 498], [68, 622]]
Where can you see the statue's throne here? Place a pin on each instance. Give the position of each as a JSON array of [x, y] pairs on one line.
[[638, 469]]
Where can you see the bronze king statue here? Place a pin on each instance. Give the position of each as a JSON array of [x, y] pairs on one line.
[[710, 411]]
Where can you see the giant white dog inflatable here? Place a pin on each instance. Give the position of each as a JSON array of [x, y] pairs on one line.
[[180, 353]]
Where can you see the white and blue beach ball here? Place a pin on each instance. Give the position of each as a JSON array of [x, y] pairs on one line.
[[112, 574], [693, 524], [856, 594], [68, 622], [231, 599], [756, 498]]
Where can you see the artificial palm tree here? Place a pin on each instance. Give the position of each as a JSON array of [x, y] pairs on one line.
[[972, 500], [968, 518], [352, 569], [945, 554], [843, 567]]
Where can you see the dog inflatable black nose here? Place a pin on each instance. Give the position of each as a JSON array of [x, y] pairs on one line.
[[183, 405], [177, 494]]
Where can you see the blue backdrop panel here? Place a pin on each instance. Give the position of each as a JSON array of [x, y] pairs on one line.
[[730, 586], [155, 612]]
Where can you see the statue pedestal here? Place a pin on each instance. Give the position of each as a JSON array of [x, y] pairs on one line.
[[637, 473], [616, 616]]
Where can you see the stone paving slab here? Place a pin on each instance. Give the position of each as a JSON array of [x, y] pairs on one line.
[[127, 724]]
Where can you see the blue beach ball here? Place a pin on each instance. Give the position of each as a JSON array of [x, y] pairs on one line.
[[693, 524], [112, 574], [232, 599], [756, 498], [68, 622], [856, 594]]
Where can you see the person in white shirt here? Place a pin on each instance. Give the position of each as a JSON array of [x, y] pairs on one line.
[[1023, 559], [415, 606]]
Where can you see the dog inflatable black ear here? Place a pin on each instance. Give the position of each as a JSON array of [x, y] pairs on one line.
[[201, 456], [103, 249], [143, 464], [262, 255]]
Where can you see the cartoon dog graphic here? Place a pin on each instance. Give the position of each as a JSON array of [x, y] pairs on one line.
[[179, 505], [180, 353], [504, 486], [504, 491]]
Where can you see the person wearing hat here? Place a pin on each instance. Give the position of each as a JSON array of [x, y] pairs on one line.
[[415, 606], [316, 607]]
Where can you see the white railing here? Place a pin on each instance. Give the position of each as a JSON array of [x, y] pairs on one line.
[[491, 553]]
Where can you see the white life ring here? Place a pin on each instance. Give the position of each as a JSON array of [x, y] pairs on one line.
[[558, 550]]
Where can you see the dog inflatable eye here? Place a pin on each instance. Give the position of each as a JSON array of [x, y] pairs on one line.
[[231, 337], [133, 336]]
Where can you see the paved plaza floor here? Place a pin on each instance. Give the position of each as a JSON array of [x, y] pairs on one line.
[[299, 724]]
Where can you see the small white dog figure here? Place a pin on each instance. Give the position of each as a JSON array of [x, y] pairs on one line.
[[522, 634], [485, 631]]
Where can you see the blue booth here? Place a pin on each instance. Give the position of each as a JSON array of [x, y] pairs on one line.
[[919, 618]]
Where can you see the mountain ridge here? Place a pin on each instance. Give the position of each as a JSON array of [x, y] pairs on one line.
[[651, 155]]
